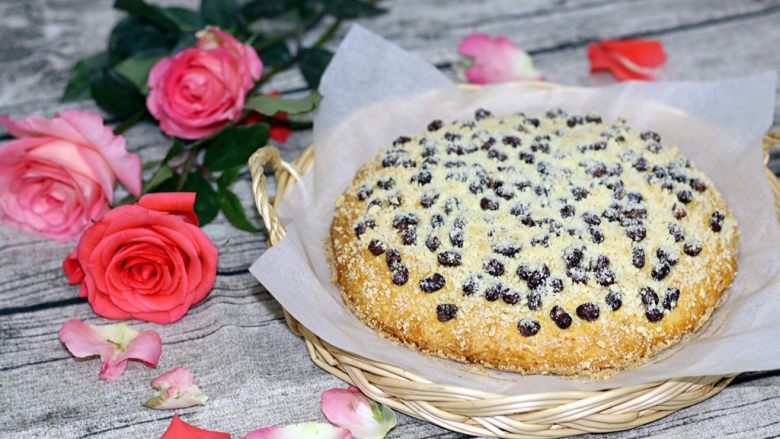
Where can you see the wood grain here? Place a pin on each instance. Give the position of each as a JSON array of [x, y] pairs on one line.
[[255, 371]]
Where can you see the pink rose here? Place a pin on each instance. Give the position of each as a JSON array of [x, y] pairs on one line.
[[498, 60], [199, 90], [148, 261], [58, 175]]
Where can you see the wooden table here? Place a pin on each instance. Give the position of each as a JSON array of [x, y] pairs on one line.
[[255, 371]]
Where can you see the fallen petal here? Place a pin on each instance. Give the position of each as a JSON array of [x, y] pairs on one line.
[[305, 430], [175, 389], [496, 60], [114, 344], [350, 409], [627, 59], [182, 430]]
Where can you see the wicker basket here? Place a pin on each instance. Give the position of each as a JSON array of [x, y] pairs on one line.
[[472, 411]]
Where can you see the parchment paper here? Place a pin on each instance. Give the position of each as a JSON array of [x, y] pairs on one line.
[[374, 92]]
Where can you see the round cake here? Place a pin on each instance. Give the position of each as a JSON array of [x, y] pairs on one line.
[[554, 244]]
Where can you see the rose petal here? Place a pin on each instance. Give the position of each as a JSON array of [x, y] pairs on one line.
[[175, 389], [177, 203], [496, 60], [350, 409], [115, 344], [307, 430], [182, 430], [627, 59]]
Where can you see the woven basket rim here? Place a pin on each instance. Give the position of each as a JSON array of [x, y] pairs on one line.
[[472, 411]]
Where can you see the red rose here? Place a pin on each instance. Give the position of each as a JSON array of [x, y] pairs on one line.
[[148, 261]]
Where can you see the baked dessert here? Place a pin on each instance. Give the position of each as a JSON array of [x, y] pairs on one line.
[[554, 244]]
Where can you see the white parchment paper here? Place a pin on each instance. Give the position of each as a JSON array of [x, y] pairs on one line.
[[374, 92]]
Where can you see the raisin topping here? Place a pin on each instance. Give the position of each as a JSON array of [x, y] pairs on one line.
[[685, 196], [507, 249], [556, 285], [534, 301], [588, 312], [432, 283], [449, 259], [493, 292], [437, 220], [596, 235], [481, 113], [661, 270], [422, 178], [510, 297], [579, 193], [692, 248], [676, 231], [512, 141], [528, 327], [716, 221], [488, 204], [572, 256], [361, 227], [364, 192], [698, 185], [493, 267], [654, 315], [591, 219], [400, 276], [386, 184], [650, 135], [393, 259], [472, 284], [435, 125], [615, 300], [452, 137], [376, 247], [671, 296], [409, 236], [648, 296], [561, 318], [404, 221], [433, 243], [678, 212], [446, 312], [489, 143], [638, 257], [428, 199], [567, 211], [640, 164], [537, 277]]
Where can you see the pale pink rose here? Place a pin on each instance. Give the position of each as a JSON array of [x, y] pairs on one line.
[[498, 60], [199, 90], [176, 389], [308, 430], [58, 176], [115, 344], [350, 409]]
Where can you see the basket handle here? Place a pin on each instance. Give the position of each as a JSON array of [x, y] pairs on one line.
[[266, 205]]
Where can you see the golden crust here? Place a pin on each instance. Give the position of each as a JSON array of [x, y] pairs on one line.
[[486, 332]]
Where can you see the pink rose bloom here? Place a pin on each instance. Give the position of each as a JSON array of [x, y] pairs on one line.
[[351, 410], [58, 176], [199, 90], [498, 60]]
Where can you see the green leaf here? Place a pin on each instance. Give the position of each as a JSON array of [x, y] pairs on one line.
[[80, 74], [151, 164], [222, 13], [163, 173], [233, 146], [151, 14], [132, 37], [206, 201], [257, 9], [234, 211], [312, 63], [187, 19], [272, 105], [275, 55], [136, 70], [351, 8], [229, 176], [115, 94], [176, 149]]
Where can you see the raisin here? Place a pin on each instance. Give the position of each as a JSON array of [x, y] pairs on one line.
[[561, 318], [534, 300], [698, 185], [528, 327], [542, 240], [422, 178], [596, 235], [567, 211], [390, 161], [654, 315], [648, 296], [573, 256], [602, 263], [574, 121], [488, 204], [692, 248], [605, 278], [578, 275], [638, 257], [472, 284], [400, 276], [507, 249], [510, 297], [665, 256], [393, 259], [527, 157], [432, 243], [537, 277], [435, 125], [661, 270], [493, 292], [449, 259], [361, 227], [678, 212], [493, 267], [640, 164], [685, 196], [635, 197], [579, 193], [437, 220], [556, 285], [654, 147], [489, 143], [428, 199], [592, 118], [676, 231], [636, 233], [650, 135], [386, 184], [591, 219], [615, 300], [446, 312], [588, 312], [671, 296], [432, 283], [524, 272], [716, 221], [456, 237], [403, 221], [409, 236], [376, 247], [481, 113], [364, 192], [512, 141]]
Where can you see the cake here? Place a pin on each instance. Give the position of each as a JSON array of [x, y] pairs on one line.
[[558, 244]]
